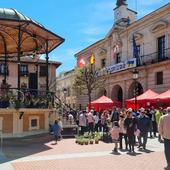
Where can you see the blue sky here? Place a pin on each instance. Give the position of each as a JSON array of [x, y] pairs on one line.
[[80, 22]]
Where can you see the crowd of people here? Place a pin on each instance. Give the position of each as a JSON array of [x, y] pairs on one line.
[[132, 127]]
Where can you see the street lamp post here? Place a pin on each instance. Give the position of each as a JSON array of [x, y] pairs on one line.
[[36, 58], [135, 77], [64, 92]]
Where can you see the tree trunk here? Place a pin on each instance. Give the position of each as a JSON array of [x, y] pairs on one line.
[[89, 96]]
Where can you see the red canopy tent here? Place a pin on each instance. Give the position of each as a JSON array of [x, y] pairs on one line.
[[163, 99], [144, 100], [104, 103]]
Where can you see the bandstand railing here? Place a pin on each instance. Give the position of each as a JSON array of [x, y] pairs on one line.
[[25, 98]]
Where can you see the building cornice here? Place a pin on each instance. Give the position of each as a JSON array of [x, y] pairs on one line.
[[150, 16], [90, 47]]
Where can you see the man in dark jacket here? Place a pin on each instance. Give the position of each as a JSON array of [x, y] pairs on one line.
[[115, 114], [143, 124]]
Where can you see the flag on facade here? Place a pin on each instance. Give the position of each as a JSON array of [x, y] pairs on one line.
[[135, 49], [115, 50], [92, 59], [81, 62]]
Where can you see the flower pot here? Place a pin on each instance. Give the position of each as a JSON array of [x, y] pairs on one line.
[[86, 143], [91, 142], [96, 142]]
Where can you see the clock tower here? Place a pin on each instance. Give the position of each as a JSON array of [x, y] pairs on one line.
[[122, 15]]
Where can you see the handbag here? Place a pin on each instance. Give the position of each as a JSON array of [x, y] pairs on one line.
[[137, 132]]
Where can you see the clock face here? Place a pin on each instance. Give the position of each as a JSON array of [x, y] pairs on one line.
[[117, 15]]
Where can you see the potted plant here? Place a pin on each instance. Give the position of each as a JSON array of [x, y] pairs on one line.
[[77, 139], [81, 141], [91, 141], [86, 141], [96, 139]]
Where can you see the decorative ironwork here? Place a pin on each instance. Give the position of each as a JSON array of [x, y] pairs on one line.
[[26, 98], [153, 58]]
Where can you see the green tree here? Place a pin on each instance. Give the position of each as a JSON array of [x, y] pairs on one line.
[[86, 81]]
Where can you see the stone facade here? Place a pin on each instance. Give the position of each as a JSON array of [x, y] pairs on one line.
[[151, 36], [31, 67], [65, 90], [33, 121]]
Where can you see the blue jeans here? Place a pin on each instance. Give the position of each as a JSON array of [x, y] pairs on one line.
[[167, 150]]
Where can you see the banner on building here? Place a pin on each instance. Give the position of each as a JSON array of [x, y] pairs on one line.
[[130, 63]]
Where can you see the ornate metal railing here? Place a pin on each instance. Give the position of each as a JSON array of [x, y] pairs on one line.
[[25, 98], [154, 57]]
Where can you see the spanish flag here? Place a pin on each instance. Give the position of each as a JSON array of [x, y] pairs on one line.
[[92, 59]]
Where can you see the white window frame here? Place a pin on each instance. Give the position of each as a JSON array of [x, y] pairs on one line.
[[35, 127]]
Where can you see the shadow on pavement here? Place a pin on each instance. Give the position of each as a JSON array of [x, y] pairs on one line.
[[145, 150], [21, 147], [115, 153], [133, 153]]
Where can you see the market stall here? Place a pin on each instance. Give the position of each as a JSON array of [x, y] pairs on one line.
[[144, 100]]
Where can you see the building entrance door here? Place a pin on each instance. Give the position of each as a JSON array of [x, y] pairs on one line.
[[33, 84]]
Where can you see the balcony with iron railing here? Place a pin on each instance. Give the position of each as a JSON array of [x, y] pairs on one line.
[[155, 57]]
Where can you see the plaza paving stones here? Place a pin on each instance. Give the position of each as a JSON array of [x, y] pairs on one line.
[[67, 155]]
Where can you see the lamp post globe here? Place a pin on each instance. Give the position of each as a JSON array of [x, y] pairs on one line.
[[135, 74], [64, 90]]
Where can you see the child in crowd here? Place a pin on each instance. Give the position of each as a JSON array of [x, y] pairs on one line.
[[115, 134]]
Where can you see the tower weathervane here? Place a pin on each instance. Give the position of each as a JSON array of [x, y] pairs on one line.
[[120, 2]]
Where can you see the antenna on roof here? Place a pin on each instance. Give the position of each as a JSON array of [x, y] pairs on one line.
[[136, 7]]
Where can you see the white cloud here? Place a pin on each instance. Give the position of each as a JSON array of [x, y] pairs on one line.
[[97, 25]]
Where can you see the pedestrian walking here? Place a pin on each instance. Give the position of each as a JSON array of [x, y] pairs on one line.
[[143, 124], [154, 124], [90, 120], [122, 133], [115, 135], [57, 131], [158, 115], [114, 115], [96, 122], [82, 122], [130, 124], [164, 130], [60, 123], [148, 113]]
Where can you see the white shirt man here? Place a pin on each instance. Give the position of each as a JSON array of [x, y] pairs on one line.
[[82, 122], [90, 120]]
